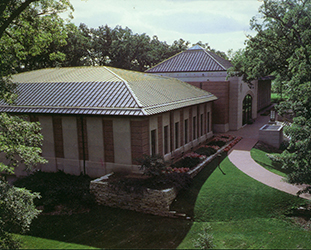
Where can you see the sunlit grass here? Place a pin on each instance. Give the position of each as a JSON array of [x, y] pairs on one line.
[[262, 159], [245, 213]]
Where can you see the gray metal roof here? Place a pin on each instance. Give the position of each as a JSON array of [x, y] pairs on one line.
[[195, 59], [100, 91]]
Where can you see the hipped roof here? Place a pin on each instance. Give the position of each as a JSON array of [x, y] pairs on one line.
[[101, 91], [195, 59]]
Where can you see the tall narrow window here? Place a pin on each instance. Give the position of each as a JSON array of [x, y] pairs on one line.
[[58, 136], [82, 138], [247, 109], [186, 131], [194, 127], [207, 122], [201, 125], [153, 142], [165, 139], [176, 135]]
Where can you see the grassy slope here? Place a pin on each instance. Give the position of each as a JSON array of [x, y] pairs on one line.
[[244, 213], [30, 242], [262, 159], [105, 227]]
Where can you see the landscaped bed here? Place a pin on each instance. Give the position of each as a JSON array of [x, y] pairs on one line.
[[157, 188]]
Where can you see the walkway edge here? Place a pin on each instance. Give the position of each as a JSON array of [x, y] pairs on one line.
[[240, 156]]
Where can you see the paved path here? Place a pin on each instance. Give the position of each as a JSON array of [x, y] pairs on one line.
[[240, 156]]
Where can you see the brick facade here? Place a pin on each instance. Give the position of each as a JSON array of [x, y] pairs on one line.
[[220, 106], [139, 139]]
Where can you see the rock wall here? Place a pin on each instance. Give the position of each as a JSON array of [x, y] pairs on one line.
[[151, 201]]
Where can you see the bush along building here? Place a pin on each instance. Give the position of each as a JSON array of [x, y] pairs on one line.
[[237, 103], [97, 120]]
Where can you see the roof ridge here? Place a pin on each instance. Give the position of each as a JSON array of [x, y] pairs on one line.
[[165, 60], [214, 59], [127, 85]]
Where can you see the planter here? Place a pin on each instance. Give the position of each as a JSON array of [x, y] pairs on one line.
[[151, 201]]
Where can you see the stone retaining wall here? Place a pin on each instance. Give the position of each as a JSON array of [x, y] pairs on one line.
[[151, 201]]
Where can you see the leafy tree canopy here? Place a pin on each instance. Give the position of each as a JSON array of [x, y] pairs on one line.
[[282, 47], [30, 33], [27, 30], [118, 47]]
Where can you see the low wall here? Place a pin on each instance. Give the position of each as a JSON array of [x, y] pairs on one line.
[[151, 201], [271, 134]]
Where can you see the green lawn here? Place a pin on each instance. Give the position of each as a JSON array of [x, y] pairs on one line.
[[244, 213], [30, 242], [105, 227], [262, 159]]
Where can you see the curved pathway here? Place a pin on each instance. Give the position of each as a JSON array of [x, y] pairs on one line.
[[240, 156]]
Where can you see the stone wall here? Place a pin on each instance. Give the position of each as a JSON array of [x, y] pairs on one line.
[[151, 201]]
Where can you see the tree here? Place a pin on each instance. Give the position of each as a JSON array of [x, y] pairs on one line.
[[282, 47], [117, 47], [17, 210], [27, 28], [31, 33]]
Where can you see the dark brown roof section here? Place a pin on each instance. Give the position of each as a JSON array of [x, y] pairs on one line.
[[195, 59]]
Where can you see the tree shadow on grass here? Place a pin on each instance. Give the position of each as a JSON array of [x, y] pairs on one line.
[[185, 200], [106, 227]]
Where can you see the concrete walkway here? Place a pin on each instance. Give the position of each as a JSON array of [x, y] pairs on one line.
[[240, 156]]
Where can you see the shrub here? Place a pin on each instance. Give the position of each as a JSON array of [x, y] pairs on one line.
[[205, 239], [187, 162], [58, 188], [17, 210], [217, 143], [177, 180], [153, 165], [138, 185], [206, 151]]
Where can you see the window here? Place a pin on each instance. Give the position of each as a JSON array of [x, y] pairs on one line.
[[186, 131], [58, 136], [176, 135], [207, 122], [201, 121], [194, 127], [201, 85], [82, 138], [165, 139], [153, 142], [247, 109]]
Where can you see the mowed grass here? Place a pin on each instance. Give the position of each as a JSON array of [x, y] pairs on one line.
[[30, 242], [242, 212], [245, 213], [106, 227], [262, 159]]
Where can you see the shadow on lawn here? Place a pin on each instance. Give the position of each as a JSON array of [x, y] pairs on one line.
[[106, 227], [185, 200]]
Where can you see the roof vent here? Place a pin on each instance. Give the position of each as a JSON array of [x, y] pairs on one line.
[[195, 47]]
